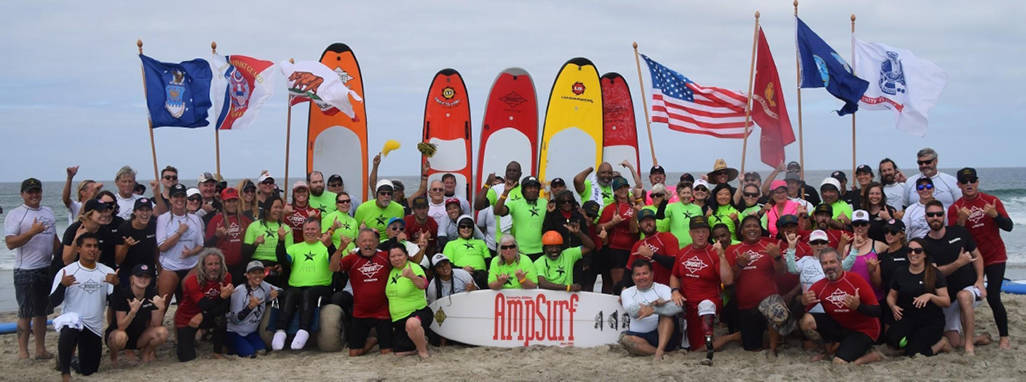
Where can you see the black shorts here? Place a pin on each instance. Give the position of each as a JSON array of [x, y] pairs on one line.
[[133, 337], [752, 325], [852, 344], [402, 339], [32, 291], [617, 258], [361, 329]]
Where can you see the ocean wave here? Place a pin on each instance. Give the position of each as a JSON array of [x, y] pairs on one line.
[[1007, 192]]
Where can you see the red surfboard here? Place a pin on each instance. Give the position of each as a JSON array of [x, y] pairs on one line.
[[509, 131], [619, 129], [447, 126]]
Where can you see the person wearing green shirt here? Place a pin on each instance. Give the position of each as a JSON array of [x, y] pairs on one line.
[[528, 214], [261, 238], [723, 211], [829, 190], [321, 199], [376, 213], [659, 196], [599, 188], [407, 303], [339, 224], [467, 252], [307, 264], [511, 270], [488, 195], [679, 214], [556, 269]]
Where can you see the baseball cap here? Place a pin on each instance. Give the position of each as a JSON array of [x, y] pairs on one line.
[[439, 258], [894, 225], [818, 235], [31, 184], [967, 175], [142, 203], [823, 208], [451, 201], [777, 184], [248, 185], [265, 177], [619, 182], [206, 177], [794, 166], [299, 184], [335, 178], [530, 181], [860, 216], [382, 184], [657, 169], [398, 185], [176, 190], [646, 214], [193, 192], [395, 219], [701, 182], [229, 194], [831, 181], [863, 169], [96, 205], [839, 175], [698, 222], [140, 270], [787, 220], [557, 182], [254, 265], [464, 219]]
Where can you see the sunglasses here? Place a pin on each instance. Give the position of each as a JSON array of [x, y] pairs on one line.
[[385, 193], [859, 224], [396, 227], [926, 186], [916, 250], [819, 242], [334, 184], [249, 189], [170, 177], [751, 194], [508, 247], [926, 162], [934, 214], [437, 189], [970, 181], [658, 195], [893, 231], [196, 199], [701, 188], [466, 226]]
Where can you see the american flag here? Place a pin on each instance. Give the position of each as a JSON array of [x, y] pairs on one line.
[[691, 108]]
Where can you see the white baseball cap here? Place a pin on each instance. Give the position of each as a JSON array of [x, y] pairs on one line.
[[438, 258], [701, 182], [860, 216], [191, 192], [818, 235], [831, 181], [383, 183]]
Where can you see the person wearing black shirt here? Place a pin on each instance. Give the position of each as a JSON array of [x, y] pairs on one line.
[[137, 322], [954, 252], [139, 237], [96, 217], [917, 296]]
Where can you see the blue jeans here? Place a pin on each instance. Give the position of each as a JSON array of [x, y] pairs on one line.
[[248, 345]]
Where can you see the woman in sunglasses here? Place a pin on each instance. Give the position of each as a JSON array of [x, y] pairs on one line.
[[248, 200], [468, 253], [866, 250], [915, 215], [917, 295], [892, 258]]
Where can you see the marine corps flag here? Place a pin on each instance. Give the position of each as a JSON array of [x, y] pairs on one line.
[[314, 82], [239, 88], [768, 108], [821, 67], [177, 94]]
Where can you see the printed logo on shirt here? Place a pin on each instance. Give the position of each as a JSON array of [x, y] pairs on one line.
[[752, 258], [91, 286], [370, 270], [955, 240], [837, 298], [976, 214], [694, 264]]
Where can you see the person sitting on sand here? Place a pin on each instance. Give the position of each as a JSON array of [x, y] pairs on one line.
[[852, 311], [556, 268], [138, 317], [917, 296], [247, 306], [204, 304], [698, 272], [511, 270], [367, 269], [407, 303], [650, 307], [448, 280], [307, 264]]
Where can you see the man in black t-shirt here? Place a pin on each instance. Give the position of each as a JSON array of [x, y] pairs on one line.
[[138, 314], [954, 252]]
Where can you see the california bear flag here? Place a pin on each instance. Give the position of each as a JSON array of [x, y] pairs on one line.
[[899, 81], [314, 82]]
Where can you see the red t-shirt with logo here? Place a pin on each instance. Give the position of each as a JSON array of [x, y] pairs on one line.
[[231, 243], [192, 293], [757, 280], [368, 276], [663, 243], [982, 227], [699, 273], [831, 295], [295, 221], [620, 237], [430, 226]]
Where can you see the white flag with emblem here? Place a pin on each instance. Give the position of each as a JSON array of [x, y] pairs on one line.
[[312, 81], [899, 81]]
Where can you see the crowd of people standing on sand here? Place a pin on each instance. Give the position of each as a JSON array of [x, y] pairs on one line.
[[887, 264]]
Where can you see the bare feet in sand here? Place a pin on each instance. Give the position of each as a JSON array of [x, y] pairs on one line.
[[1005, 343], [47, 355], [658, 356]]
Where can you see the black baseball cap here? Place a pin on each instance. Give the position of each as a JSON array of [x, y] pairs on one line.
[[794, 166], [142, 203], [863, 169], [530, 181], [698, 222], [335, 178], [96, 205], [646, 214], [657, 169], [557, 182], [687, 177], [142, 270], [31, 184], [894, 225], [823, 208], [839, 175], [786, 220], [619, 182], [967, 175], [176, 190]]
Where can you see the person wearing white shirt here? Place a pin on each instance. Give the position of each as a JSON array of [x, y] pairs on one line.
[[651, 309], [945, 187], [915, 214], [447, 280], [893, 182], [179, 240], [126, 196]]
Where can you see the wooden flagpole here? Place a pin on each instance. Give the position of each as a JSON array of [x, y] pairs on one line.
[[217, 131], [750, 102], [149, 120], [644, 103], [852, 186], [288, 135], [798, 69]]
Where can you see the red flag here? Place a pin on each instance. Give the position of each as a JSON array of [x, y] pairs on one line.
[[768, 108]]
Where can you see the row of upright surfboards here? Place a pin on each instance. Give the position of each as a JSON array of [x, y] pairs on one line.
[[588, 116]]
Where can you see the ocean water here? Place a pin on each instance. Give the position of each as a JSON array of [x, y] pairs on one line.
[[1008, 184]]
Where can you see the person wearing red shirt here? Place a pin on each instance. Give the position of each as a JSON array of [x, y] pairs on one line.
[[618, 221], [659, 248], [368, 274], [226, 230], [296, 213], [983, 215], [852, 311], [698, 272], [419, 222], [755, 262], [206, 292], [822, 216]]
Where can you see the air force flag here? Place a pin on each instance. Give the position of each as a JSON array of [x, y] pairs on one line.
[[177, 94], [899, 81], [822, 67]]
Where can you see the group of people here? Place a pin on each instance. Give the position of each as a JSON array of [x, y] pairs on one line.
[[899, 261]]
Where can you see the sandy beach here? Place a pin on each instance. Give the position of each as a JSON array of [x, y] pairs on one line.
[[550, 363]]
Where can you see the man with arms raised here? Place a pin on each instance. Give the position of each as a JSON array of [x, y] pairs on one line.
[[598, 188]]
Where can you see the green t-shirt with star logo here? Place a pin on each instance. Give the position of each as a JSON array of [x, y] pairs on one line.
[[404, 297], [265, 251], [606, 192], [348, 227], [527, 223], [499, 267], [561, 270], [467, 252], [375, 217], [324, 203], [309, 264], [679, 215]]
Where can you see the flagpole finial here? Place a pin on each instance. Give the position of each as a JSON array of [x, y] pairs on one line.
[[292, 60], [635, 45], [795, 7], [213, 47], [138, 43], [756, 15], [852, 17]]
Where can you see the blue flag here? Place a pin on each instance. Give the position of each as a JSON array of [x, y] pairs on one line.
[[177, 94], [822, 67]]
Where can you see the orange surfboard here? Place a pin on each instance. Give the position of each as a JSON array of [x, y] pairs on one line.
[[447, 126], [337, 144]]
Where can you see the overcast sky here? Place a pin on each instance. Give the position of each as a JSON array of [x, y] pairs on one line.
[[70, 88]]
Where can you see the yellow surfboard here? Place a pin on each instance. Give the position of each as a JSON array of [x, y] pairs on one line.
[[573, 123]]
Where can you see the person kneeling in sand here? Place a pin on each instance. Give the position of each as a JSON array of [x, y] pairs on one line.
[[852, 311], [649, 305], [138, 317]]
